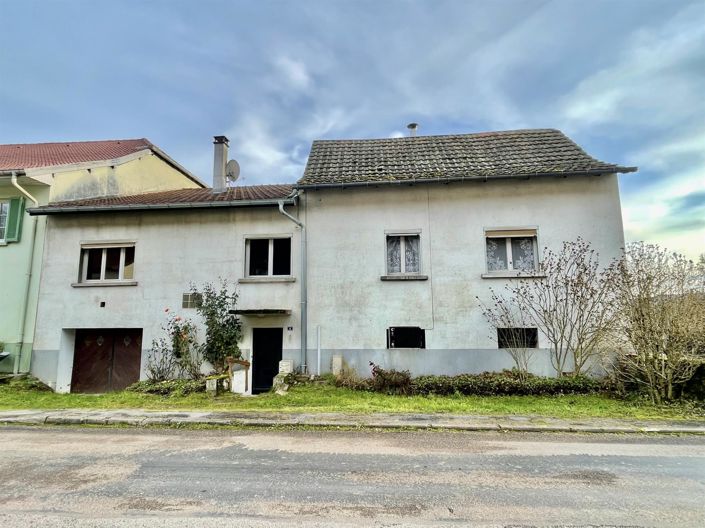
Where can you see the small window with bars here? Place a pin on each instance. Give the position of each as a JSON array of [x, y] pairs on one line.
[[191, 300]]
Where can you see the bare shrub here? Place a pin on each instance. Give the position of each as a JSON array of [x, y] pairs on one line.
[[506, 317], [660, 319], [569, 299]]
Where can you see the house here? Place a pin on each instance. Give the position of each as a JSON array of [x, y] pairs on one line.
[[36, 174], [378, 253], [406, 234]]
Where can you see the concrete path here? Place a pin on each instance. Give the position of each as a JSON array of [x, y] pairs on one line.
[[138, 417]]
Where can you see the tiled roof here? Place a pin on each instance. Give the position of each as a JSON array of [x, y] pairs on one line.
[[180, 198], [465, 156], [35, 155]]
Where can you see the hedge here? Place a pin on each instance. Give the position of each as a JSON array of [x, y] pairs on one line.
[[505, 383]]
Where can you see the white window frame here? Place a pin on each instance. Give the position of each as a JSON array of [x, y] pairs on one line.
[[402, 247], [7, 217], [83, 272], [508, 233], [270, 255]]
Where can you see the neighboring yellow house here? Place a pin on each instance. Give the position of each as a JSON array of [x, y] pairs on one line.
[[37, 174]]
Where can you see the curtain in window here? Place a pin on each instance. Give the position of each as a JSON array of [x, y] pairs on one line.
[[523, 254], [393, 254], [496, 254], [411, 254]]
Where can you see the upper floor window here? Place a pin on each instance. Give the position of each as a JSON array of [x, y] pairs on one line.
[[268, 256], [403, 254], [511, 250], [107, 264], [11, 214], [4, 212]]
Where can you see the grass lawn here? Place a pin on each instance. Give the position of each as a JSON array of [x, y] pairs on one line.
[[327, 398]]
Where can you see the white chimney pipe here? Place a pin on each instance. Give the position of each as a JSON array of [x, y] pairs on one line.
[[413, 127], [220, 158]]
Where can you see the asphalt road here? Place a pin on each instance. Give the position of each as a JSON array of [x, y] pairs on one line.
[[76, 477]]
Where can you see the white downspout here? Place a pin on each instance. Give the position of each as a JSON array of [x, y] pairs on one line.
[[303, 284], [25, 301]]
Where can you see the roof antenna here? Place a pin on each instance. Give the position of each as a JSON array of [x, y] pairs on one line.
[[413, 127]]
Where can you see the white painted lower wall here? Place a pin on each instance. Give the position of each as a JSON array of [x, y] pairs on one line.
[[354, 307], [172, 251]]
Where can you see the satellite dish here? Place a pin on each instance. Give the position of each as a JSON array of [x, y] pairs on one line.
[[232, 171]]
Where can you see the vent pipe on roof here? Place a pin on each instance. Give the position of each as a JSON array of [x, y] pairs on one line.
[[220, 157], [413, 127]]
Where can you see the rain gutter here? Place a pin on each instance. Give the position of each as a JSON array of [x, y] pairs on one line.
[[51, 210]]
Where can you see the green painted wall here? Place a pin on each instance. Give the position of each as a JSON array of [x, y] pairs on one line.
[[14, 276]]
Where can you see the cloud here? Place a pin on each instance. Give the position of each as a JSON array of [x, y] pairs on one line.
[[655, 81], [293, 72]]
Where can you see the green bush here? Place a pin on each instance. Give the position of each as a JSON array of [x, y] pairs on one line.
[[505, 383], [174, 387]]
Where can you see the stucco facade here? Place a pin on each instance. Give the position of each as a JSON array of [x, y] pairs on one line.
[[141, 171], [354, 307], [172, 251]]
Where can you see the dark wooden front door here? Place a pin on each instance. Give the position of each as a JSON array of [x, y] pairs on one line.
[[266, 355], [106, 360]]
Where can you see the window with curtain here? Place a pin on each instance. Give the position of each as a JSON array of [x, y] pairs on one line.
[[514, 250], [403, 254]]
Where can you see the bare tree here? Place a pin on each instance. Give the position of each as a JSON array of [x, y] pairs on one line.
[[570, 300], [506, 318], [661, 319]]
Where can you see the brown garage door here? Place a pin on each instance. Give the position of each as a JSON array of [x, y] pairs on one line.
[[106, 360]]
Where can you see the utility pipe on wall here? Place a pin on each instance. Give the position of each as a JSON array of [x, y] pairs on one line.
[[318, 350], [303, 283], [25, 301]]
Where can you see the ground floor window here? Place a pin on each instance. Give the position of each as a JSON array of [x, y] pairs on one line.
[[406, 337], [517, 338]]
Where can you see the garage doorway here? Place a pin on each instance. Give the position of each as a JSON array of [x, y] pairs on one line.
[[266, 355], [106, 360]]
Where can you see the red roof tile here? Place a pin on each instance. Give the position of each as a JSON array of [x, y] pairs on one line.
[[34, 155], [176, 198]]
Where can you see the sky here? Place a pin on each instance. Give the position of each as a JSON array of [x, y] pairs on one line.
[[624, 78]]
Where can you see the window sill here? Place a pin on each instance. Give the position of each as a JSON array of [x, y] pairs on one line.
[[103, 283], [404, 277], [513, 275], [266, 278]]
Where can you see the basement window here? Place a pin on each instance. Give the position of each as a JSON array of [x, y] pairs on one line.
[[517, 338], [268, 257], [406, 337], [107, 264]]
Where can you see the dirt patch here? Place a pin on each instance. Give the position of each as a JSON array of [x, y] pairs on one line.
[[33, 475], [151, 504], [367, 511], [597, 477], [378, 444]]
